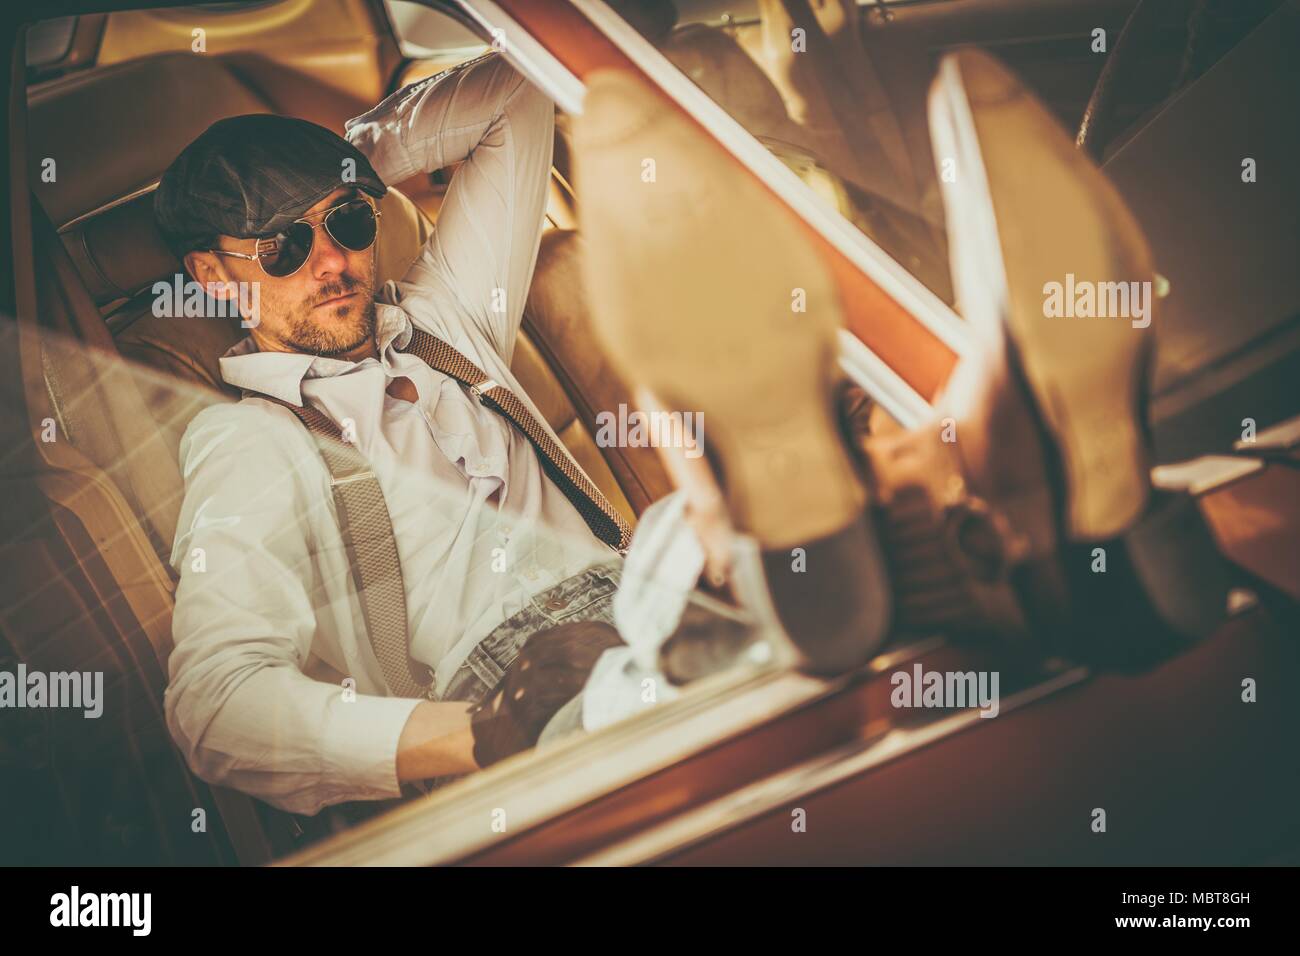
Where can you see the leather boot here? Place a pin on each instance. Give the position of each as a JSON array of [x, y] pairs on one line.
[[694, 271], [1019, 511]]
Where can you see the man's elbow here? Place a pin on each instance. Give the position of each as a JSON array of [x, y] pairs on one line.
[[188, 719], [255, 769]]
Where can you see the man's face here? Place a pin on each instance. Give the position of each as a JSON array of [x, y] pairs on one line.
[[325, 308]]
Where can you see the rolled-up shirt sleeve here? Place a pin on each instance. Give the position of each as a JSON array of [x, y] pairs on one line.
[[483, 249], [238, 704]]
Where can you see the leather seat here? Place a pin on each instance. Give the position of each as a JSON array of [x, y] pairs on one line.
[[557, 328], [112, 131]]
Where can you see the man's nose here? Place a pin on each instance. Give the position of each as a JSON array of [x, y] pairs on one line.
[[327, 256]]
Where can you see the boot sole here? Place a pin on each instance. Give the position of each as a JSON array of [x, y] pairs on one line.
[[1027, 208], [720, 339]]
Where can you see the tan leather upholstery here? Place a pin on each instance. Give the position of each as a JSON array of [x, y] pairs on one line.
[[558, 318], [544, 388], [113, 131]]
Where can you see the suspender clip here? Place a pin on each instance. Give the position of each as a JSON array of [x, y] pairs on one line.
[[484, 386]]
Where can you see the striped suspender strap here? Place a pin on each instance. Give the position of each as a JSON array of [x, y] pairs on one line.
[[367, 532], [601, 516], [367, 528]]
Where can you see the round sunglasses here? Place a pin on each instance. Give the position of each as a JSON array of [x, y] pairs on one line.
[[352, 224]]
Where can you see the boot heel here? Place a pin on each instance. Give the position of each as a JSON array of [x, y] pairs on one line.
[[1165, 586]]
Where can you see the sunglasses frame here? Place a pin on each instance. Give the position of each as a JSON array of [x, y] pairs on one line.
[[324, 216]]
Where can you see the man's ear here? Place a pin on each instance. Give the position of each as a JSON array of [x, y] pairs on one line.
[[210, 272]]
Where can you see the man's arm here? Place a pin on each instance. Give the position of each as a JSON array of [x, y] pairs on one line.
[[436, 741], [484, 245], [238, 704]]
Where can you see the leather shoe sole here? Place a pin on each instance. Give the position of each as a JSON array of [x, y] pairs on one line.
[[1026, 209]]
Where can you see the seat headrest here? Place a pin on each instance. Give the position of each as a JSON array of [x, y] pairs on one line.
[[112, 131]]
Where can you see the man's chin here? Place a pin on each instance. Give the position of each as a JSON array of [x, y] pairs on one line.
[[330, 342], [333, 351]]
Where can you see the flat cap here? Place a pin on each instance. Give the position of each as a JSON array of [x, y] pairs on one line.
[[250, 176]]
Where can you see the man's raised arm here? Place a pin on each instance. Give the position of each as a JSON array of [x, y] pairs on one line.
[[484, 245]]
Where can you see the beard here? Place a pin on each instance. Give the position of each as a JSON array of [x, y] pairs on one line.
[[337, 330]]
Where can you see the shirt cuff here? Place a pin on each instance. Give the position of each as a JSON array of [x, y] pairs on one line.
[[360, 744]]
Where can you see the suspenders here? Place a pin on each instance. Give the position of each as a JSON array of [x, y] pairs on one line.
[[367, 528]]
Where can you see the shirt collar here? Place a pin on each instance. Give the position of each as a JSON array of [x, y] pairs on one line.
[[280, 374]]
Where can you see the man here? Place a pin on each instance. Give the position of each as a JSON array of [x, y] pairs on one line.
[[465, 490]]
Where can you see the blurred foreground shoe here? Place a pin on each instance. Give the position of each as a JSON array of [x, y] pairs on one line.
[[1025, 508], [694, 271]]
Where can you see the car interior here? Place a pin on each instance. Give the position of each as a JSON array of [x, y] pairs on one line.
[[125, 119], [109, 96]]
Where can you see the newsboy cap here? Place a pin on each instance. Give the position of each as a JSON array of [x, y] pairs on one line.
[[250, 176]]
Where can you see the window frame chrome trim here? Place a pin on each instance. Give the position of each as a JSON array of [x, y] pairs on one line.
[[885, 385], [527, 55], [452, 824], [857, 359]]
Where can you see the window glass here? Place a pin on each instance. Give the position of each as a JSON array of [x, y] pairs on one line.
[[803, 84], [48, 41], [425, 33]]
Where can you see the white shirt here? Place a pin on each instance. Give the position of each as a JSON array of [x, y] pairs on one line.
[[267, 627]]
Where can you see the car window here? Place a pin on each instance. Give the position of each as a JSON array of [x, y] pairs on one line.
[[426, 34], [48, 41], [805, 86]]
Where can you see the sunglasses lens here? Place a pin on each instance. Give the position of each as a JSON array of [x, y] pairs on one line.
[[353, 225], [286, 253]]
